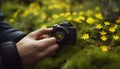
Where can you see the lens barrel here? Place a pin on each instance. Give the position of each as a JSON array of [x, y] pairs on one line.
[[65, 33], [62, 32]]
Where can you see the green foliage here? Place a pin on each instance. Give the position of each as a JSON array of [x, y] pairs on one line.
[[97, 23], [93, 58]]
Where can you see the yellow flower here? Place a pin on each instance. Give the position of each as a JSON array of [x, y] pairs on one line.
[[35, 13], [90, 20], [117, 9], [113, 29], [62, 14], [57, 6], [97, 8], [116, 37], [74, 13], [77, 20], [115, 26], [103, 38], [26, 13], [107, 23], [81, 17], [55, 16], [99, 16], [89, 12], [104, 48], [103, 33], [98, 26], [85, 36], [118, 20], [11, 20], [69, 18], [43, 16], [80, 13], [67, 14], [49, 19], [16, 13], [43, 26], [50, 7], [34, 4]]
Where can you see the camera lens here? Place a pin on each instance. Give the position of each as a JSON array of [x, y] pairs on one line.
[[59, 35]]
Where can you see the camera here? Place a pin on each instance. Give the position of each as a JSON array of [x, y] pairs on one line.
[[65, 33]]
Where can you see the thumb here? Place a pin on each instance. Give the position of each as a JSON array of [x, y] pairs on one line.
[[41, 32]]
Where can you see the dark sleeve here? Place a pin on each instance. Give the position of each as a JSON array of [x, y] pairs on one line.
[[10, 57], [1, 62], [9, 34]]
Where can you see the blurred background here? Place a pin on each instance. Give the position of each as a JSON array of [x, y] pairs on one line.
[[97, 23], [40, 12]]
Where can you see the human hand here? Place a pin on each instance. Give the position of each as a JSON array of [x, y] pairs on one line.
[[36, 46]]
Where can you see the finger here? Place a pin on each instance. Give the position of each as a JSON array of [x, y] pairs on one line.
[[43, 37], [40, 32], [50, 50], [51, 54], [44, 43]]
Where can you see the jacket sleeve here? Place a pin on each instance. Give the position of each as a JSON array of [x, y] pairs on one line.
[[9, 34], [9, 57]]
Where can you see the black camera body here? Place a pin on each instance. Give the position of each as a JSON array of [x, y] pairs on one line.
[[65, 33]]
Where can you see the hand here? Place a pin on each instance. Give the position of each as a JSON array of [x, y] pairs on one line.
[[36, 46]]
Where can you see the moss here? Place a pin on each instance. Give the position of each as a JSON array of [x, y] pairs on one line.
[[85, 54]]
